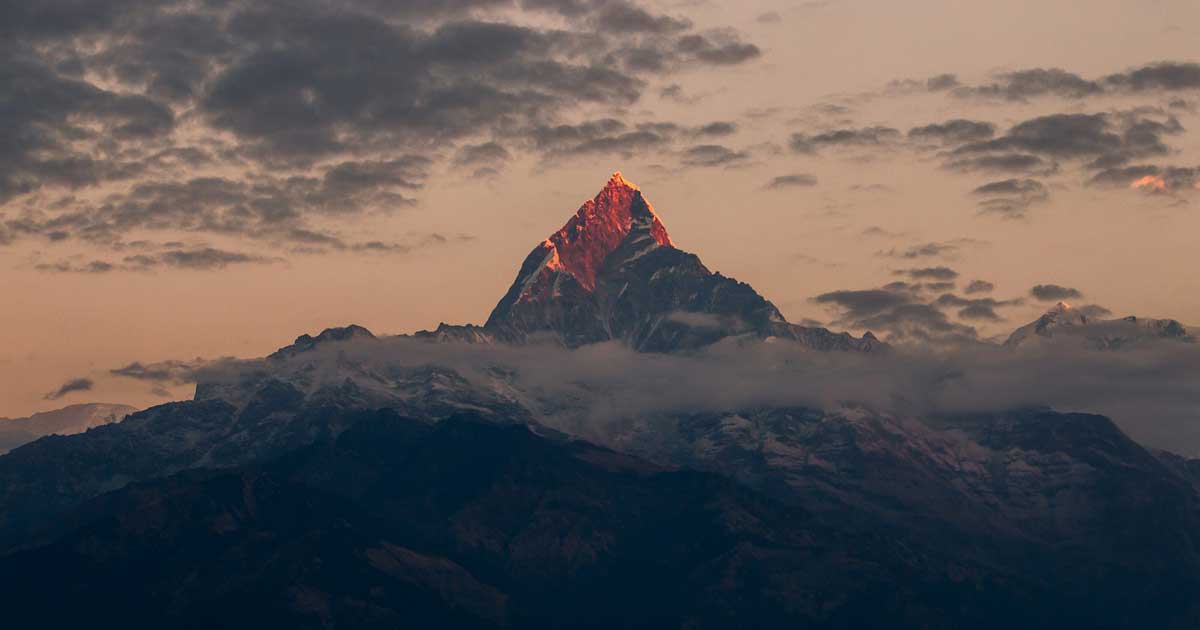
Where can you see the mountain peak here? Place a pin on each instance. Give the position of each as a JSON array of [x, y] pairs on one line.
[[599, 226], [612, 273], [618, 181]]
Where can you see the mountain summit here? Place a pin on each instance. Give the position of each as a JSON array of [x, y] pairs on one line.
[[598, 228], [612, 272], [1111, 334]]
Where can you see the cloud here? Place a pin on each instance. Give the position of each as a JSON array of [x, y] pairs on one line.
[[875, 230], [1093, 311], [63, 266], [1036, 147], [605, 135], [485, 154], [71, 386], [797, 180], [897, 313], [1003, 163], [174, 372], [1054, 293], [957, 131], [941, 82], [1165, 76], [929, 273], [1150, 178], [1022, 85], [979, 286], [1011, 198], [199, 259], [716, 129], [931, 250], [976, 309], [1025, 84], [599, 391], [866, 136], [1080, 136], [713, 155], [260, 121]]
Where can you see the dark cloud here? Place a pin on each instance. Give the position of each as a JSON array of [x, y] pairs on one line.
[[1011, 198], [173, 372], [896, 312], [1024, 84], [719, 128], [475, 155], [1003, 163], [863, 303], [1101, 141], [713, 155], [931, 250], [1165, 75], [1054, 293], [798, 180], [62, 266], [1056, 135], [321, 109], [941, 82], [770, 17], [979, 312], [957, 131], [627, 17], [718, 48], [1150, 178], [606, 135], [201, 259], [979, 286], [866, 136], [71, 386], [976, 309], [929, 273]]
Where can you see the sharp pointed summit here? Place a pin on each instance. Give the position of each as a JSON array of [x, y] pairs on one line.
[[598, 228], [613, 272]]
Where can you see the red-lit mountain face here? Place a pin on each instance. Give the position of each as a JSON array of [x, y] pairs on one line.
[[612, 272], [598, 228]]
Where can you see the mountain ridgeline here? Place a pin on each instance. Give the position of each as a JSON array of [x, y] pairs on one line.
[[352, 481]]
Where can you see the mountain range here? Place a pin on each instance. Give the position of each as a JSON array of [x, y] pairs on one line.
[[66, 421], [535, 471]]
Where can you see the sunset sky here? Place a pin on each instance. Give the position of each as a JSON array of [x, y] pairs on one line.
[[184, 180]]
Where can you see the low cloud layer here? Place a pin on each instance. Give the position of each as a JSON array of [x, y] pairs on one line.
[[599, 390]]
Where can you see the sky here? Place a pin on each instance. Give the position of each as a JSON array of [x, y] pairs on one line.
[[199, 179]]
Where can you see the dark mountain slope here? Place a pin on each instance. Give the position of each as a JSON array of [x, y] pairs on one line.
[[472, 524]]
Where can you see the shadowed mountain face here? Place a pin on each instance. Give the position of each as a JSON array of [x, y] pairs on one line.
[[328, 485], [470, 524]]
